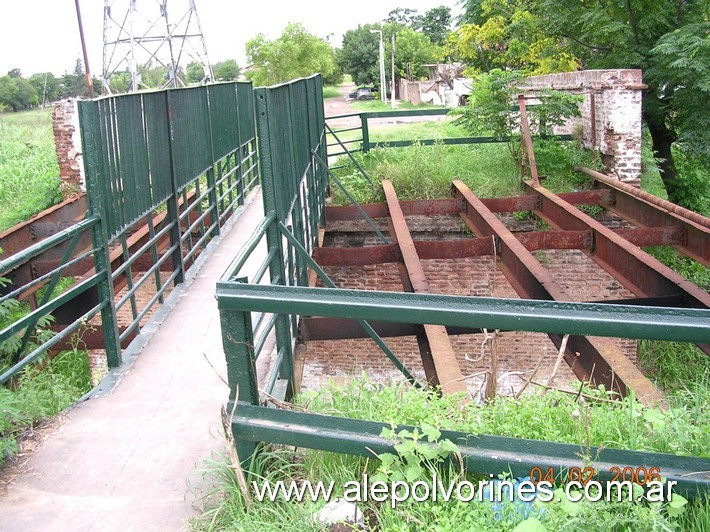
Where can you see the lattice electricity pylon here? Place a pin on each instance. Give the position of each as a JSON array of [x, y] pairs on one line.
[[143, 48]]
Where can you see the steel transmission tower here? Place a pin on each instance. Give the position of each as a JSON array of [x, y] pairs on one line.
[[147, 46]]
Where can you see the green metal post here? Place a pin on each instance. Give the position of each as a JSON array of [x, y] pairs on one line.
[[91, 140], [172, 204], [238, 344], [214, 215], [365, 133], [270, 192]]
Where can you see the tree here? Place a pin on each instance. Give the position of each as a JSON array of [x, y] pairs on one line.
[[669, 42], [508, 34], [412, 50], [17, 93], [436, 24], [226, 70], [46, 85], [359, 54], [404, 17], [195, 72], [295, 54]]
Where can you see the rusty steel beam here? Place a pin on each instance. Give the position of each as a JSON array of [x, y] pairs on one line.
[[435, 338], [597, 359], [461, 248], [635, 269], [91, 338], [346, 329], [39, 226], [646, 210], [453, 206], [652, 236], [357, 256]]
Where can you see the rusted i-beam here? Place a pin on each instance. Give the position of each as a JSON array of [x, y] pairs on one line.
[[435, 340], [598, 359], [646, 210], [638, 271]]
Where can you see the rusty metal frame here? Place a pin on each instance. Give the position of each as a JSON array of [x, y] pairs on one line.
[[648, 211], [438, 356], [598, 359]]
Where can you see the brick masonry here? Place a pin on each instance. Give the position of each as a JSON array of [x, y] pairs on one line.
[[67, 140], [611, 115], [475, 276]]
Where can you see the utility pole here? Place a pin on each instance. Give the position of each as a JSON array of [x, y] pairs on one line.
[[393, 88], [89, 84], [383, 83]]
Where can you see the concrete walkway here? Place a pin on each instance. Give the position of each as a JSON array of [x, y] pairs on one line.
[[129, 459]]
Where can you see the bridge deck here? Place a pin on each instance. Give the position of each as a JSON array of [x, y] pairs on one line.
[[129, 459]]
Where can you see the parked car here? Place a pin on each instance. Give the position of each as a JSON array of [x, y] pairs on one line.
[[361, 93]]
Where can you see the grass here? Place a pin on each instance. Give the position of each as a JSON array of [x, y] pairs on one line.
[[330, 92], [372, 106], [427, 171], [29, 181], [42, 390], [623, 424]]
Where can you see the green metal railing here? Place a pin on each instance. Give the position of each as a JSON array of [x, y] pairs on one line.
[[339, 145], [252, 308], [164, 171], [26, 331], [177, 162]]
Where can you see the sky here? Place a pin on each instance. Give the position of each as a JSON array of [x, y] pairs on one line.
[[42, 35]]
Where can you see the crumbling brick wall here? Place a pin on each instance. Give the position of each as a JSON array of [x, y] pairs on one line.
[[67, 141], [611, 115]]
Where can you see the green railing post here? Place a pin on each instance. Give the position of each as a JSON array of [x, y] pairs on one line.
[[238, 344], [365, 133], [172, 204], [90, 138], [271, 193]]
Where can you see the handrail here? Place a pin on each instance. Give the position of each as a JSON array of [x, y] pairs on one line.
[[26, 254], [250, 245]]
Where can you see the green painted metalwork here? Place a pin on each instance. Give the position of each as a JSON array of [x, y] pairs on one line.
[[618, 321], [481, 453], [366, 144], [188, 153]]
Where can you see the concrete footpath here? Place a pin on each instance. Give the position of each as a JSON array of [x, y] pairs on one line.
[[130, 458]]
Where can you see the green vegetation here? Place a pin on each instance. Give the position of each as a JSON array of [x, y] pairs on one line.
[[371, 106], [553, 416], [296, 53], [427, 171], [330, 92], [29, 174], [43, 390]]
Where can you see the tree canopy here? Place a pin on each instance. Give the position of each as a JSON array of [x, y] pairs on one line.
[[670, 42], [295, 53]]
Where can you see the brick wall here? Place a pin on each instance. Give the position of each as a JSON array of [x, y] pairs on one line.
[[611, 115], [67, 141], [337, 360]]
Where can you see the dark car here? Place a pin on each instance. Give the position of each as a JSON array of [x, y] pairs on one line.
[[362, 93]]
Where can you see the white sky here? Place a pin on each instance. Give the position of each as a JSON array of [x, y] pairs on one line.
[[42, 35]]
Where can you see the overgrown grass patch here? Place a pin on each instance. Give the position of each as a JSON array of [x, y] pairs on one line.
[[426, 172], [554, 416], [29, 173], [41, 391], [330, 92]]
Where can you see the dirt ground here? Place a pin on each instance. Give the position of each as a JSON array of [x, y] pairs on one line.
[[338, 106]]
